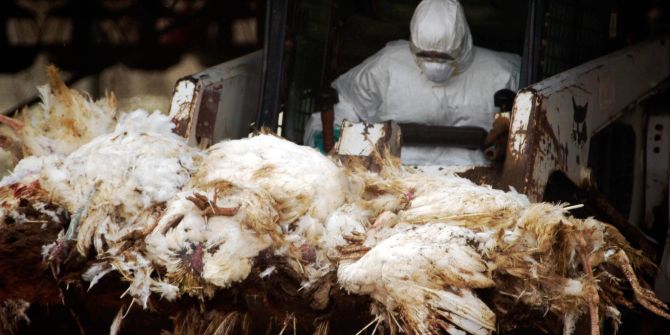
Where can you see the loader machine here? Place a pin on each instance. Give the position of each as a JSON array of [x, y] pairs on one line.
[[590, 124]]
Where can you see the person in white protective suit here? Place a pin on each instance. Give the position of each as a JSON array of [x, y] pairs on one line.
[[437, 78]]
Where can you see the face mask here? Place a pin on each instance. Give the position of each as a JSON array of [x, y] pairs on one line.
[[437, 72]]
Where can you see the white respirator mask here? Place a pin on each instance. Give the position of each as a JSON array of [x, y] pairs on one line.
[[437, 72], [437, 66]]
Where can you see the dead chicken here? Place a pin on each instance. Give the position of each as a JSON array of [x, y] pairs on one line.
[[447, 238], [109, 186], [108, 182], [247, 196], [64, 120]]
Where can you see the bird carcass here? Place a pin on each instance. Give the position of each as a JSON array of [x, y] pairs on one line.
[[105, 188], [447, 238], [62, 122], [263, 235]]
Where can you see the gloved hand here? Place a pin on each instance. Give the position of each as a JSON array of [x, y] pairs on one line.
[[318, 139], [496, 140]]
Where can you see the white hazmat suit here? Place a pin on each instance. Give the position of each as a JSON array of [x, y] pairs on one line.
[[438, 78]]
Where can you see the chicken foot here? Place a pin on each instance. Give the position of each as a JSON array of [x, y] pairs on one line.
[[645, 297], [210, 207], [15, 124], [592, 296]]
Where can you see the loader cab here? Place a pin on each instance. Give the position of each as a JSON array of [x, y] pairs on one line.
[[316, 41], [324, 39]]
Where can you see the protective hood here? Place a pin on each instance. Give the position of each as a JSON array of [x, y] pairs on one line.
[[440, 26]]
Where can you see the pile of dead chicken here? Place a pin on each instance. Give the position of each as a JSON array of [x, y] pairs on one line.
[[178, 222]]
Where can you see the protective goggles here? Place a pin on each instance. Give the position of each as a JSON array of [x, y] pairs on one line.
[[431, 56]]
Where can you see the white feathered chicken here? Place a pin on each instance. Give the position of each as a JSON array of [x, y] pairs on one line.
[[248, 195], [113, 187], [422, 277], [108, 182], [447, 237]]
